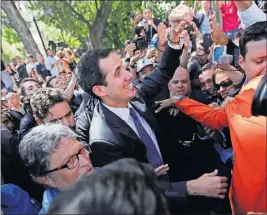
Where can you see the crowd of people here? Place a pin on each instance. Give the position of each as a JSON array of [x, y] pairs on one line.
[[165, 127]]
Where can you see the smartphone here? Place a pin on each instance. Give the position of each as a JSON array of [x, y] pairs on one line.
[[207, 42], [217, 53], [189, 29]]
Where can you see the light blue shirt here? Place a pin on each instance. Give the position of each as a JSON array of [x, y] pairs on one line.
[[48, 65], [124, 114], [205, 26]]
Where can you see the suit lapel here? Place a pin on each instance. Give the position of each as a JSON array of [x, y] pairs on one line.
[[147, 115], [117, 123]]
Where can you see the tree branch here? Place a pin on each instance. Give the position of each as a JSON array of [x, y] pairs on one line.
[[78, 15]]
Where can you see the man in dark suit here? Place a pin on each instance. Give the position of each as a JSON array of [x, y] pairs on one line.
[[122, 126]]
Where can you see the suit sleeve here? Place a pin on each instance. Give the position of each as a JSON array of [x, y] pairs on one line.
[[206, 115], [105, 153], [83, 123], [161, 75], [174, 189]]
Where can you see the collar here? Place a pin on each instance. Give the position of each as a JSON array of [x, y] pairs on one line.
[[123, 113]]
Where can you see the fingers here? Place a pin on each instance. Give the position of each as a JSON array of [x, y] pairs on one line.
[[214, 173], [176, 111], [161, 170], [159, 109], [220, 196], [223, 179], [171, 111]]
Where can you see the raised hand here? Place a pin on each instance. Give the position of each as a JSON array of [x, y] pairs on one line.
[[130, 49], [165, 103], [217, 34]]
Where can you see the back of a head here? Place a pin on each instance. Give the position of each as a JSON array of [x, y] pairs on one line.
[[255, 32], [123, 187]]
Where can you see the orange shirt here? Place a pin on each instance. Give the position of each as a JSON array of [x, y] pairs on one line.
[[248, 135]]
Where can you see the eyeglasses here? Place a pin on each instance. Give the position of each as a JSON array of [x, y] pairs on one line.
[[73, 160], [224, 84]]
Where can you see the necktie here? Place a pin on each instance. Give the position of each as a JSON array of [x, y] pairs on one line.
[[153, 155]]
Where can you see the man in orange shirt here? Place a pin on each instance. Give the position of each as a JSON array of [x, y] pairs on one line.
[[248, 133]]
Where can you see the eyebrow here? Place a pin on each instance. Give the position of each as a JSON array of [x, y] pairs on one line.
[[116, 68], [70, 156]]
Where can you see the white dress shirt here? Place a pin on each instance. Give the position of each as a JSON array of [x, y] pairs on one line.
[[124, 114]]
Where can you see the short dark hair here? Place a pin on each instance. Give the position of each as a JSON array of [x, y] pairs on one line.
[[44, 99], [22, 88], [208, 66], [123, 187], [88, 72], [255, 32]]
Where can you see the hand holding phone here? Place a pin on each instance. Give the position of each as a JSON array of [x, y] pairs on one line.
[[207, 42], [217, 53]]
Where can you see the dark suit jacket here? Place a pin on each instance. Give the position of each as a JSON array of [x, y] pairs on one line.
[[112, 139]]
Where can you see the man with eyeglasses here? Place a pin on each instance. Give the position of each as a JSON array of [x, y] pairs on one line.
[[49, 105], [55, 159]]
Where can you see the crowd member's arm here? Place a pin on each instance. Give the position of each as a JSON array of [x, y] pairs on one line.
[[129, 47], [162, 39], [196, 4], [249, 13], [15, 86], [138, 55], [70, 88], [208, 185], [185, 53], [158, 79], [204, 114]]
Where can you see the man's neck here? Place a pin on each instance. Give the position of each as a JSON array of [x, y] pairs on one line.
[[115, 104]]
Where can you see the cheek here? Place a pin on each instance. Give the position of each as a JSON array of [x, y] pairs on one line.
[[67, 178]]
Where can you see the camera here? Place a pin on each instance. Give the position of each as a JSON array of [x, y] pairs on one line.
[[140, 43], [259, 104]]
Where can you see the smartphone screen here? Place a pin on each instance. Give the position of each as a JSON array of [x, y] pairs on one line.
[[217, 53]]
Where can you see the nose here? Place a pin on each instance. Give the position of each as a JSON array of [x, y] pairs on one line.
[[65, 121], [128, 76], [207, 86], [221, 90]]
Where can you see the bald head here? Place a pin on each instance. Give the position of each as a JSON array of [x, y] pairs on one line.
[[180, 84]]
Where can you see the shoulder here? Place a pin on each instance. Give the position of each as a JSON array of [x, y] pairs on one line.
[[201, 96], [253, 84]]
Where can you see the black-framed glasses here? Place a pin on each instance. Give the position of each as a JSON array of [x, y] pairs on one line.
[[224, 84], [73, 160]]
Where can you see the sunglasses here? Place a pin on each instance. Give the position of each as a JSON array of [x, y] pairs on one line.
[[223, 84]]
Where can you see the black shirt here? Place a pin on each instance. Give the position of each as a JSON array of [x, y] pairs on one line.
[[41, 70], [22, 71]]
